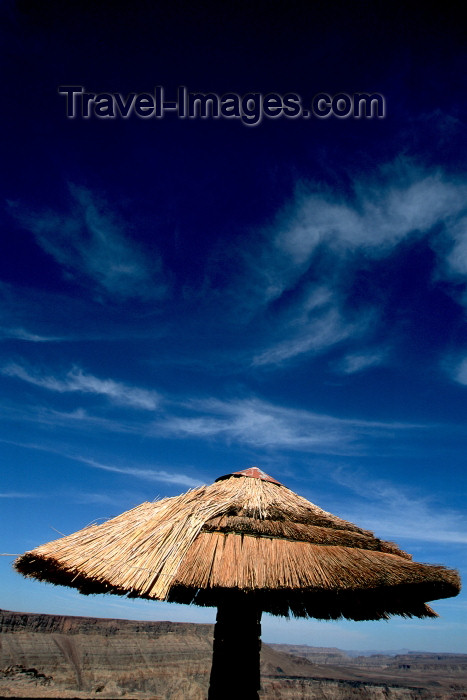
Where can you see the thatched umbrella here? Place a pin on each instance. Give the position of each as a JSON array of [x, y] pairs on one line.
[[244, 544]]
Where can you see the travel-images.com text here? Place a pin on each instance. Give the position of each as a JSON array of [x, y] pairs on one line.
[[250, 108]]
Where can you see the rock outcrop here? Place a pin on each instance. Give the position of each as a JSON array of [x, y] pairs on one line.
[[82, 657]]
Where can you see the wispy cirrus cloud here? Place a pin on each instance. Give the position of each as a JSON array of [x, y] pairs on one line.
[[80, 420], [250, 422], [393, 512], [457, 369], [91, 242], [456, 259], [359, 361], [78, 381], [22, 334], [400, 201], [40, 316], [153, 475], [261, 424], [324, 238], [320, 331], [164, 476], [18, 494]]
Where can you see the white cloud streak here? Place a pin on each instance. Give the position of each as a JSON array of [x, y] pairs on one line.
[[264, 425], [359, 361], [392, 513], [22, 334], [91, 241], [315, 335], [17, 494], [153, 475], [456, 260], [380, 216], [399, 203], [79, 420], [249, 421], [77, 381], [458, 371]]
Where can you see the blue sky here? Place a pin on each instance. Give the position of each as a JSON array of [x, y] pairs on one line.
[[185, 298]]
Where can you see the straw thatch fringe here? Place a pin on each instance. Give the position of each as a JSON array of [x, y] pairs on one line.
[[239, 533], [248, 563], [300, 532]]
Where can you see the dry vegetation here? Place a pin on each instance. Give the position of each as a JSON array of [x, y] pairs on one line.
[[244, 534]]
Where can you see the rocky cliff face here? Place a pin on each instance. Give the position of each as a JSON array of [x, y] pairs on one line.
[[81, 657], [411, 676], [165, 659], [410, 660]]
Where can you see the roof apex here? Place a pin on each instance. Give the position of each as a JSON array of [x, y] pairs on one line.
[[253, 472]]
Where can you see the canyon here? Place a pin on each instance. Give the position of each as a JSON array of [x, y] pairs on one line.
[[58, 656]]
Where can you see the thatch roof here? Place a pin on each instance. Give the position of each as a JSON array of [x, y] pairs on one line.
[[245, 532]]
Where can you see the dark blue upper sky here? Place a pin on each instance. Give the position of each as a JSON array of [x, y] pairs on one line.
[[185, 297]]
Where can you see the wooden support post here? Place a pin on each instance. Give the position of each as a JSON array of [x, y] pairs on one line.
[[235, 673]]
